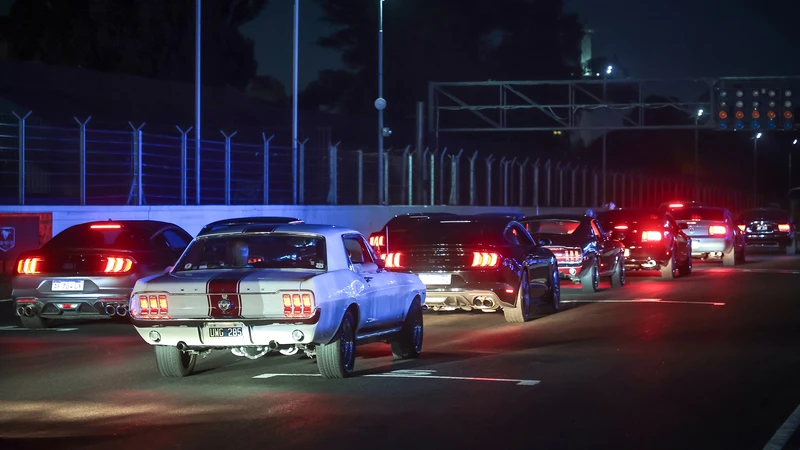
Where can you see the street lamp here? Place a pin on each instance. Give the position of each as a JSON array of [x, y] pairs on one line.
[[794, 142], [697, 153], [609, 69], [755, 169], [380, 104], [197, 97]]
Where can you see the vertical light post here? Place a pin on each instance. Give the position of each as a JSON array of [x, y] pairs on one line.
[[755, 168], [609, 69], [197, 96], [380, 104], [295, 62], [697, 154], [794, 142]]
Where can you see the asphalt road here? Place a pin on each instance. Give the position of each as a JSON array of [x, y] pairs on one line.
[[709, 361]]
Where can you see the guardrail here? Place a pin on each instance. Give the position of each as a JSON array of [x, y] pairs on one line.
[[80, 165]]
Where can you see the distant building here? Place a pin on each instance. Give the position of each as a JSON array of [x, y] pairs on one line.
[[586, 53]]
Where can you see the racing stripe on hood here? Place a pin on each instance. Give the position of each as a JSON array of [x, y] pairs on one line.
[[224, 300]]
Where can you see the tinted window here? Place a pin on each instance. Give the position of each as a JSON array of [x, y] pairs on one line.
[[522, 236], [357, 250], [175, 240], [449, 233], [552, 226], [280, 250], [765, 214], [698, 214], [102, 236]]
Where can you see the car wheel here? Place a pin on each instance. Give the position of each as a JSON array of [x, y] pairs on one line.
[[555, 291], [336, 359], [522, 313], [791, 249], [174, 363], [669, 271], [730, 258], [408, 344], [35, 322], [590, 280], [686, 268], [618, 277]]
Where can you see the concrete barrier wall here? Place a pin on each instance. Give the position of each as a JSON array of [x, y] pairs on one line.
[[365, 219]]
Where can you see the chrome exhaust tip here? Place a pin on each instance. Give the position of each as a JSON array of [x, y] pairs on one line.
[[182, 346], [110, 310], [20, 311], [122, 310], [30, 311], [273, 345]]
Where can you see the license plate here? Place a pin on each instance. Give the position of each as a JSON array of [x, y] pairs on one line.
[[696, 243], [435, 278], [67, 285], [233, 331]]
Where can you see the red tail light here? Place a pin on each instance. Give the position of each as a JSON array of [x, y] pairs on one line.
[[298, 304], [715, 230], [376, 240], [485, 259], [106, 227], [118, 265], [621, 227], [741, 227], [676, 205], [154, 305], [784, 227], [651, 236], [29, 266], [392, 259]]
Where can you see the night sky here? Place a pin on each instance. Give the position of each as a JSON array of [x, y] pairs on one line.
[[654, 39]]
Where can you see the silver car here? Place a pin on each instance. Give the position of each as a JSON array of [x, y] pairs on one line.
[[713, 232]]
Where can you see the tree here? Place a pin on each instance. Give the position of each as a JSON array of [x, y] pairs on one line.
[[151, 38], [444, 40], [269, 90]]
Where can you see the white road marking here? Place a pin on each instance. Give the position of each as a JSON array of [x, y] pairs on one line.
[[731, 270], [785, 432], [420, 374], [645, 300], [35, 329]]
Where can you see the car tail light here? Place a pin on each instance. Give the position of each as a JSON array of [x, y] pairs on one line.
[[621, 227], [676, 205], [783, 227], [118, 265], [741, 227], [485, 259], [108, 226], [376, 240], [153, 305], [570, 256], [29, 266], [715, 230], [651, 236], [392, 259], [298, 304]]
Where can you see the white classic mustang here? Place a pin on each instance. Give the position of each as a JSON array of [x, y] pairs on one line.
[[260, 288]]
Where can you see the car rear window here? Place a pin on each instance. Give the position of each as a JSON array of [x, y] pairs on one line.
[[609, 219], [447, 233], [111, 236], [698, 214], [258, 251], [552, 226]]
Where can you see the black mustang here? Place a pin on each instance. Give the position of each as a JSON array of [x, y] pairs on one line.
[[652, 239], [773, 228], [584, 251], [473, 262]]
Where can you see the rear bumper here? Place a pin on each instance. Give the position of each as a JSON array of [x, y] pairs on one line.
[[644, 258], [768, 240], [73, 306], [709, 246], [197, 335], [478, 290]]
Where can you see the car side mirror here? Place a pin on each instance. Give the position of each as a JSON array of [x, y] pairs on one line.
[[683, 226], [543, 242], [381, 263], [168, 269]]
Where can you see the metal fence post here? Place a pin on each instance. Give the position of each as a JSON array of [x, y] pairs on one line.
[[574, 189], [228, 165], [561, 183], [522, 166], [503, 177], [432, 178], [441, 176], [21, 138], [387, 158], [584, 185], [360, 155], [548, 167], [410, 184], [136, 161], [622, 202], [472, 178], [265, 174], [613, 193], [595, 184], [82, 159], [536, 183], [184, 158], [404, 175], [641, 191], [333, 160], [489, 161], [301, 171], [455, 161]]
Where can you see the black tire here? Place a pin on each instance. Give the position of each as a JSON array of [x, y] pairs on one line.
[[522, 312], [337, 358], [618, 277], [686, 268], [408, 344], [173, 363], [731, 257], [791, 249], [555, 291], [35, 322], [670, 270], [590, 280]]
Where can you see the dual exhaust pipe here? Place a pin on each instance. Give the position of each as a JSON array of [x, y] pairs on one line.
[[26, 311], [121, 310]]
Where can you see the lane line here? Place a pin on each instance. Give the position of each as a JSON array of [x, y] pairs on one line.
[[785, 432], [645, 300], [13, 328], [418, 374]]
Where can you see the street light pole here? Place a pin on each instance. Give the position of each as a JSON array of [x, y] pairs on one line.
[[755, 169], [790, 162], [197, 96], [380, 104], [697, 155], [295, 61], [609, 69]]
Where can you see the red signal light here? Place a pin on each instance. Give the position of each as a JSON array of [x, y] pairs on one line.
[[621, 227], [485, 259], [783, 227], [651, 236]]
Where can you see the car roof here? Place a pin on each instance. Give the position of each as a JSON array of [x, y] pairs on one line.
[[326, 231], [151, 226], [232, 222], [578, 217]]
